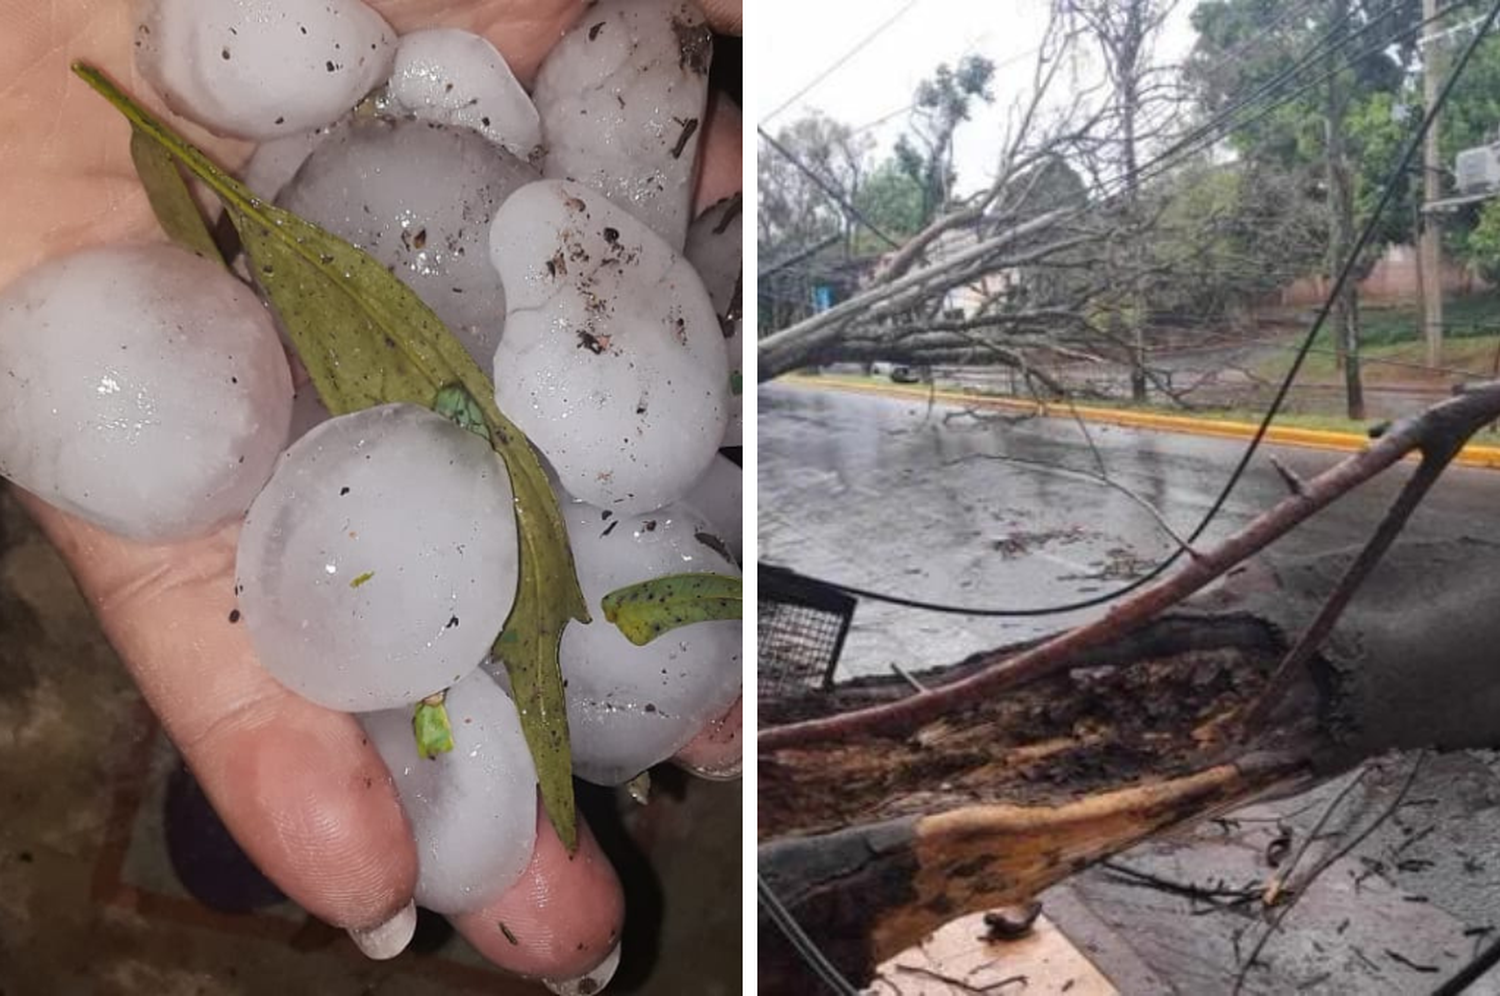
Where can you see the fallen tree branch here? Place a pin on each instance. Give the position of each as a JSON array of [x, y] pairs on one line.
[[1449, 422]]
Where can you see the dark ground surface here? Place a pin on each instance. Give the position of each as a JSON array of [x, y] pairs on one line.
[[873, 492], [115, 880]]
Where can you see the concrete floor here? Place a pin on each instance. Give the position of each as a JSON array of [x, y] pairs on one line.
[[93, 900], [875, 491]]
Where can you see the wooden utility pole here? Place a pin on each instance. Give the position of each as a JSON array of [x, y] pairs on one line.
[[1341, 224], [1430, 248]]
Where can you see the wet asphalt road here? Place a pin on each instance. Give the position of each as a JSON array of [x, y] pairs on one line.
[[878, 493]]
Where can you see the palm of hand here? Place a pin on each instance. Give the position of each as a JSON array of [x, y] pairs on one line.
[[305, 795]]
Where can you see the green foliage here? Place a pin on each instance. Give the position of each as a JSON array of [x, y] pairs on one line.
[[892, 200]]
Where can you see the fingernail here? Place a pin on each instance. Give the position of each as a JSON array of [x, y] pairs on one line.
[[721, 773], [593, 982], [388, 939]]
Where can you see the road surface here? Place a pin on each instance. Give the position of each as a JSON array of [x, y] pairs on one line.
[[878, 493]]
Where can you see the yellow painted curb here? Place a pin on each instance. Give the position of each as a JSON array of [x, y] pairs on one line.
[[1473, 455]]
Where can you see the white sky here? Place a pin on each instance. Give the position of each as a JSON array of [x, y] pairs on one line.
[[792, 41]]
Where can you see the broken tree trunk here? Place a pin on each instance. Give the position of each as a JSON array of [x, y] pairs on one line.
[[873, 841]]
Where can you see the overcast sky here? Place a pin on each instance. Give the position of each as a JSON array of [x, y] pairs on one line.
[[795, 40]]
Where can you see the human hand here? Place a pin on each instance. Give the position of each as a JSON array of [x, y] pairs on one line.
[[301, 789]]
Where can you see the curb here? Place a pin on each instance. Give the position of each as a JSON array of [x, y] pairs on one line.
[[1472, 455]]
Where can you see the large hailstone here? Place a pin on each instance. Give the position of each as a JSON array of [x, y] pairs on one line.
[[612, 360], [380, 561], [419, 198], [719, 497], [622, 99], [473, 809], [631, 707], [715, 246], [457, 78], [263, 68], [145, 390]]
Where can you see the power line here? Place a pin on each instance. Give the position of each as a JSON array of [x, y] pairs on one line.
[[826, 187], [839, 62], [1345, 273]]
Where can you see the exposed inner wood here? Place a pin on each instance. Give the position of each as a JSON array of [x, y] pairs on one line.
[[1098, 727]]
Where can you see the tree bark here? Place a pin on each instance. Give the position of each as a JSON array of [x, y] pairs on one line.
[[874, 840]]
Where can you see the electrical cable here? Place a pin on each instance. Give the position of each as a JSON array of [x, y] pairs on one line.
[[800, 942], [858, 47]]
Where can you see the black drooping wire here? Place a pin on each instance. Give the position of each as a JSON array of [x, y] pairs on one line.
[[1472, 972], [1367, 233], [805, 947]]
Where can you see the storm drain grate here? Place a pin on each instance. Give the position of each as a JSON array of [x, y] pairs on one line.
[[801, 627]]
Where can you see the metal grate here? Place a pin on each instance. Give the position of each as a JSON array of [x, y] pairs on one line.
[[801, 627]]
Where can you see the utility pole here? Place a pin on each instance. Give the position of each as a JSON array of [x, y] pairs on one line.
[[1341, 224], [1430, 247]]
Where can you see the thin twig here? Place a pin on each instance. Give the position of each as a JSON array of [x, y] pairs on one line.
[[1321, 867]]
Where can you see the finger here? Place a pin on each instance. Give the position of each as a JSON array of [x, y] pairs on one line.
[[299, 786], [721, 154], [524, 31], [716, 752], [561, 920], [725, 16]]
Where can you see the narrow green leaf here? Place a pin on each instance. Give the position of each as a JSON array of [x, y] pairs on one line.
[[366, 339], [367, 575], [736, 383], [430, 724], [646, 610], [176, 211]]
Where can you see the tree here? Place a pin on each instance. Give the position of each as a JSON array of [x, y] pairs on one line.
[[893, 202], [941, 103], [794, 210]]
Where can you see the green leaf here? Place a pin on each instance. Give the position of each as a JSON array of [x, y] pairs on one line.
[[366, 339], [736, 383], [170, 197], [646, 610], [430, 724]]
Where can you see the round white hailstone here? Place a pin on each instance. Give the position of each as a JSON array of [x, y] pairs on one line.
[[473, 809], [612, 360], [715, 247], [263, 68], [273, 163], [622, 99], [419, 198], [631, 707], [719, 497], [144, 390], [380, 561], [457, 78]]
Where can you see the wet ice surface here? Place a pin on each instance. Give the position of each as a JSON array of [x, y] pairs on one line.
[[719, 497], [473, 809], [380, 561], [612, 360], [631, 707], [457, 78], [273, 163], [418, 197], [715, 247], [622, 99], [144, 390], [263, 68]]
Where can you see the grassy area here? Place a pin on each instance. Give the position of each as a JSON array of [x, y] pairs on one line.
[[1393, 362], [1468, 317]]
